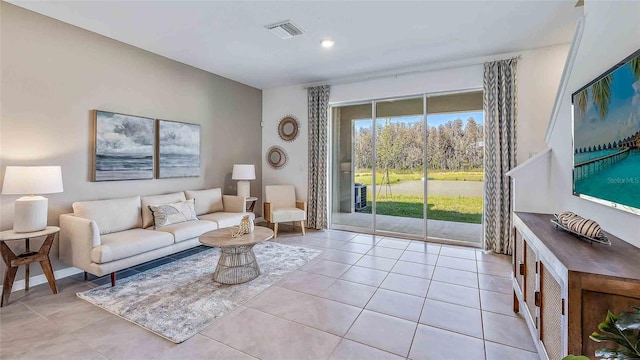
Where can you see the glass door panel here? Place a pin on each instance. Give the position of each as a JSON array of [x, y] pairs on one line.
[[351, 164], [455, 166], [399, 145]]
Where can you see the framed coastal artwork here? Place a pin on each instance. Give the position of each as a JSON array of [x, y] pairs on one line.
[[123, 147], [178, 149]]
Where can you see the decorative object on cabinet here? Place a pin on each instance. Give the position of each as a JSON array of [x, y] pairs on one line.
[[244, 172], [583, 228], [123, 147], [178, 149], [562, 285], [276, 157], [288, 128], [31, 211]]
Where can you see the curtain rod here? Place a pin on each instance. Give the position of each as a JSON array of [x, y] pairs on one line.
[[416, 69]]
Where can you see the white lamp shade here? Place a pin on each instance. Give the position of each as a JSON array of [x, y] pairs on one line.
[[243, 172], [21, 180]]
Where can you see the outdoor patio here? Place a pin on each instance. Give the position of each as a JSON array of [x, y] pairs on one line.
[[436, 229]]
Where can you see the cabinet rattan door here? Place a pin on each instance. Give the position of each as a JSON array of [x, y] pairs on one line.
[[518, 258], [530, 266], [551, 314]]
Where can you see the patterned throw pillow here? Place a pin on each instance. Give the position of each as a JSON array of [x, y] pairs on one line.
[[168, 214]]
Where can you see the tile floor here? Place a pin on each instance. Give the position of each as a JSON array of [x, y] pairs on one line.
[[364, 297]]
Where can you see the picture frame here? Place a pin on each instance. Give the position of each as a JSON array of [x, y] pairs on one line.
[[178, 150], [123, 147]]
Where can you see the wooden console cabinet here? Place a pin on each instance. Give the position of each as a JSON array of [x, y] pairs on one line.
[[563, 286]]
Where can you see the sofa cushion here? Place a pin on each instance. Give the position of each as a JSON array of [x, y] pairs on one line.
[[189, 229], [226, 219], [288, 214], [128, 243], [147, 217], [207, 201], [174, 213], [111, 215]]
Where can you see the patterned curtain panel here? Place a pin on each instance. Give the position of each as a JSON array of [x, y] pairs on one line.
[[500, 108], [318, 103]]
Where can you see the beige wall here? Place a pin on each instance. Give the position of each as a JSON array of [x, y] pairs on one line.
[[52, 76]]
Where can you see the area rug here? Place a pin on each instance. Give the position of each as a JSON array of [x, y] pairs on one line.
[[179, 299]]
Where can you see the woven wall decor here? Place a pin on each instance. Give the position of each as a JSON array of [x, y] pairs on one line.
[[276, 157], [288, 128]]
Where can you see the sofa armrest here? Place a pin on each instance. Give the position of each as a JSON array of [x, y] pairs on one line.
[[268, 215], [78, 236], [302, 205], [232, 203]]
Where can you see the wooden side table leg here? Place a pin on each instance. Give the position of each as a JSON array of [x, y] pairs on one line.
[[10, 272], [9, 277], [46, 263], [27, 266], [48, 272]]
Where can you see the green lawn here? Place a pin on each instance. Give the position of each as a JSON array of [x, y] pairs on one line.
[[397, 176], [459, 209]]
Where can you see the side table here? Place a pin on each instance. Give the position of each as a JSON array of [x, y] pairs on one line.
[[13, 261], [252, 200]]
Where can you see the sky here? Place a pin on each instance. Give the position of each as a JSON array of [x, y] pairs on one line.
[[622, 119], [433, 120], [123, 134]]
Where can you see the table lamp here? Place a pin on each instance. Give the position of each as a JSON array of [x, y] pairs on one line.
[[243, 172], [31, 211]]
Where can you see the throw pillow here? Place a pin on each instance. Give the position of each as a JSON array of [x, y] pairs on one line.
[[174, 213]]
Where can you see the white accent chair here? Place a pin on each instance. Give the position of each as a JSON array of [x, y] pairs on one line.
[[281, 206]]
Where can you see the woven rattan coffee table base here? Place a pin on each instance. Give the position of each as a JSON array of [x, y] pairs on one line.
[[237, 265]]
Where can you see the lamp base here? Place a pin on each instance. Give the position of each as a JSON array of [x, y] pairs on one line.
[[244, 188], [30, 214]]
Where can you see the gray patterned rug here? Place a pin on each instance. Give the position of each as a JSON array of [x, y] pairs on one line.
[[179, 299]]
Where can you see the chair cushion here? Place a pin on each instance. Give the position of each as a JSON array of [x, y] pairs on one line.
[[128, 243], [189, 229], [147, 216], [174, 213], [280, 196], [207, 201], [288, 214], [226, 219], [111, 215]]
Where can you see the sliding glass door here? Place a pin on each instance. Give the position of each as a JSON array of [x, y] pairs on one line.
[[409, 167]]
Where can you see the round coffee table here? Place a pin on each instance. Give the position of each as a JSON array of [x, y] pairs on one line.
[[237, 262]]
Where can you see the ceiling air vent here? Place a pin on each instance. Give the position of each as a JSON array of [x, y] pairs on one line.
[[285, 29]]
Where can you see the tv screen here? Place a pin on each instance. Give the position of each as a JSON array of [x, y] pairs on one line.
[[606, 137]]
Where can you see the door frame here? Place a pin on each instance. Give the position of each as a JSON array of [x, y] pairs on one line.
[[374, 230]]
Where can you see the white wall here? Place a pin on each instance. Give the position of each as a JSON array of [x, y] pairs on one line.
[[277, 103], [539, 73], [611, 33], [54, 74]]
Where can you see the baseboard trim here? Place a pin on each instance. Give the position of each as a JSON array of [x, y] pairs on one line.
[[41, 279]]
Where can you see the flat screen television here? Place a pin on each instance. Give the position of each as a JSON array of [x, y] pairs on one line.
[[606, 137]]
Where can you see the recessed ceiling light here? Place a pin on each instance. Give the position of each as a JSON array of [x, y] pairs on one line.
[[327, 43]]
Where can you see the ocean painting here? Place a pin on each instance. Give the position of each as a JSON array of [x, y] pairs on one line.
[[124, 147], [179, 149], [607, 138]]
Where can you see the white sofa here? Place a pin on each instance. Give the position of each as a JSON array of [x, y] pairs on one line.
[[105, 236]]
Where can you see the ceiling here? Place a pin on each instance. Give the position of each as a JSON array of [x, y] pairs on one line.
[[228, 38]]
